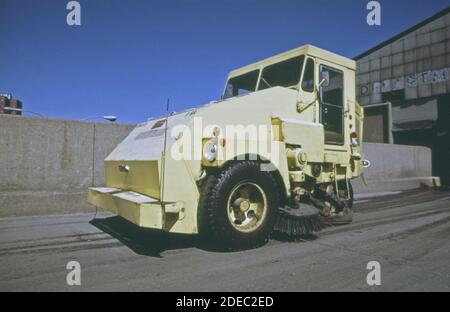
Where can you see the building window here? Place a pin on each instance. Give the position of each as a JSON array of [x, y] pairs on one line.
[[394, 97]]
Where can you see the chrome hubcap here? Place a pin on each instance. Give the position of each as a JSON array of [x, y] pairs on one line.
[[247, 207]]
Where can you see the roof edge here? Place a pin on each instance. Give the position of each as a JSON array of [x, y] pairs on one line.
[[308, 49], [403, 33]]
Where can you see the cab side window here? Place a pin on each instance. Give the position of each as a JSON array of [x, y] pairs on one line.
[[332, 105], [241, 85], [308, 76]]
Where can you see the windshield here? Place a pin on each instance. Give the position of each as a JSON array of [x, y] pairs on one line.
[[283, 74], [243, 84]]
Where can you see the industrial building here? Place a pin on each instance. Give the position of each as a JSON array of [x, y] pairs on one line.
[[10, 106], [404, 85]]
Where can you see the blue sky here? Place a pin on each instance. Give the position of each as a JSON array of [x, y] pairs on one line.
[[128, 57]]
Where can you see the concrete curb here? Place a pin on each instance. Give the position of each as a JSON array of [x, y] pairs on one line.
[[29, 203], [401, 184]]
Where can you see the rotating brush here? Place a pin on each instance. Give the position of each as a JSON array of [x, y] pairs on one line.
[[297, 221]]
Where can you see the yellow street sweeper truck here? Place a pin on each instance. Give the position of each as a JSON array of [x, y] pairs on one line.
[[275, 154]]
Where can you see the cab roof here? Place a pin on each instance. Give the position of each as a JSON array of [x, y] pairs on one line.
[[306, 49]]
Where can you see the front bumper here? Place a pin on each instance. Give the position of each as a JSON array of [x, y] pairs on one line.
[[139, 209]]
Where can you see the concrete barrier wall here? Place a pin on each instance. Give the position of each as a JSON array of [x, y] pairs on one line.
[[394, 168], [47, 164]]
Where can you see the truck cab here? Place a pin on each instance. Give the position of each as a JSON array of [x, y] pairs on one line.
[[325, 87]]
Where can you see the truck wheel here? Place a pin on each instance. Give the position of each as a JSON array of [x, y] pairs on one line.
[[239, 206]]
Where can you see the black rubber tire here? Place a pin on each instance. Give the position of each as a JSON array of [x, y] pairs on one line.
[[213, 219]]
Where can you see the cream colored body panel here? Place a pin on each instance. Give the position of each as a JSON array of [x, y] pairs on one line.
[[298, 132]]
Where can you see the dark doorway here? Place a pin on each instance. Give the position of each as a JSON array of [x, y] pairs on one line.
[[376, 124], [442, 140], [437, 138]]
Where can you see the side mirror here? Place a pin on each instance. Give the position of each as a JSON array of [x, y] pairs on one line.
[[324, 79]]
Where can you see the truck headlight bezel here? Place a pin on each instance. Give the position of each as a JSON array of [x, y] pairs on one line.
[[210, 150]]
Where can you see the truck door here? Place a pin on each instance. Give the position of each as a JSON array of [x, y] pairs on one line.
[[331, 113]]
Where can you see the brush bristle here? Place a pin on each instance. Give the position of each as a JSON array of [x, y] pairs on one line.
[[294, 224]]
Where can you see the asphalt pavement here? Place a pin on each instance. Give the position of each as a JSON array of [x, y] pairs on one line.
[[408, 234]]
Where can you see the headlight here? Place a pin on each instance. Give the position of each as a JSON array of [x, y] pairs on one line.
[[210, 150]]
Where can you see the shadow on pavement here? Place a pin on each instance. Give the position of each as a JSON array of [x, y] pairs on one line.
[[149, 242], [296, 239], [152, 243]]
